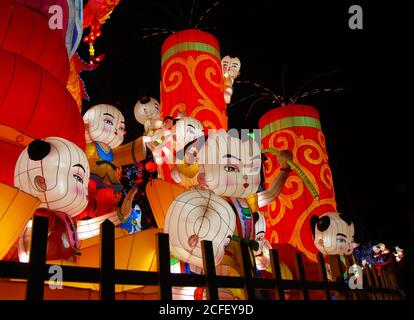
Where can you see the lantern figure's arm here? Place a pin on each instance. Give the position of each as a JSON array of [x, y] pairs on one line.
[[263, 198], [130, 153], [298, 170]]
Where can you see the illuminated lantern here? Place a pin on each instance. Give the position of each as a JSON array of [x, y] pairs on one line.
[[72, 18], [231, 70], [197, 215], [35, 103], [333, 233], [297, 128], [41, 45], [151, 166], [192, 79], [146, 111], [104, 133], [16, 208], [56, 172]]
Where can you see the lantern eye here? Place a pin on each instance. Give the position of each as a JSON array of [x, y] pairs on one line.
[[231, 168], [108, 121], [78, 178]]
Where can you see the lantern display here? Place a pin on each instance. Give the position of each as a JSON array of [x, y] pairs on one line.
[[16, 208], [333, 233], [192, 79], [104, 133], [41, 45], [297, 128], [45, 109], [71, 19], [146, 112], [55, 171], [75, 85], [231, 70], [195, 216]]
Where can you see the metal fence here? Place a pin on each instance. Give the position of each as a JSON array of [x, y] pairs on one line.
[[381, 286]]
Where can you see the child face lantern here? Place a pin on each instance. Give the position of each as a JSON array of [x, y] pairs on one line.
[[185, 130], [57, 172], [147, 109], [231, 166], [333, 234], [231, 66], [105, 124]]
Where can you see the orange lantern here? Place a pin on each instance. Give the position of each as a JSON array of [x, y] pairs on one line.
[[297, 128], [191, 78]]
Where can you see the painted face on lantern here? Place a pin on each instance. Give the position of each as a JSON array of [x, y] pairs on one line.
[[231, 66], [57, 172], [105, 124], [185, 130], [333, 234], [231, 167], [147, 109]]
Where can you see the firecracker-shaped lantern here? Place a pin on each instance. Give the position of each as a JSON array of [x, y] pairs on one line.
[[297, 128], [192, 78]]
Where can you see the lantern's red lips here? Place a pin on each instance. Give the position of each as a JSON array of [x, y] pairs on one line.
[[245, 185]]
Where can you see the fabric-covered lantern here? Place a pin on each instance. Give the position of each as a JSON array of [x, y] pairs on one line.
[[297, 128], [197, 215], [16, 208], [35, 103], [192, 79], [55, 171], [41, 45], [72, 18], [333, 233]]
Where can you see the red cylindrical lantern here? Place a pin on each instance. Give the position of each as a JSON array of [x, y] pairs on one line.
[[297, 128], [191, 78], [27, 33], [33, 102]]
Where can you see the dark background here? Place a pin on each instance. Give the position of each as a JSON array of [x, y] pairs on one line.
[[368, 126]]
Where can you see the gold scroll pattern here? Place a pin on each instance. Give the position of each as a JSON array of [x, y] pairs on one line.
[[306, 152], [175, 80]]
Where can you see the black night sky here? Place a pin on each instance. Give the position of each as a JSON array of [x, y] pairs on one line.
[[368, 126]]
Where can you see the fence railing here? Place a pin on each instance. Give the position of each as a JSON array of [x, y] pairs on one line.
[[376, 286]]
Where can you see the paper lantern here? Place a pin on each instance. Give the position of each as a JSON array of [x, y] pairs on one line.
[[160, 204], [27, 33], [195, 216], [231, 70], [297, 128], [16, 208], [33, 102], [231, 167], [146, 111], [191, 78], [55, 171], [104, 124], [333, 233], [104, 132]]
